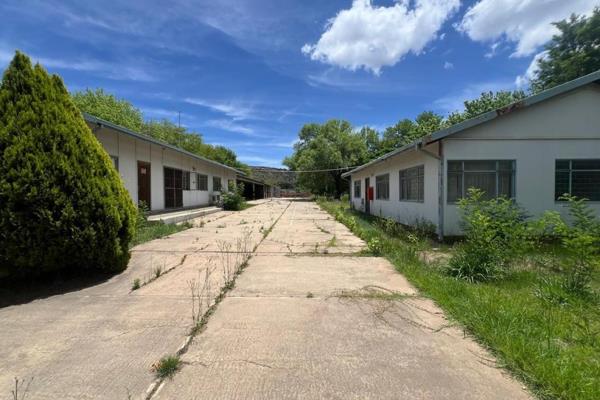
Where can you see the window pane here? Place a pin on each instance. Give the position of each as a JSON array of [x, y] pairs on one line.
[[586, 184], [454, 165], [586, 164], [480, 165], [562, 164], [505, 184], [485, 181], [506, 165], [561, 183], [454, 186]]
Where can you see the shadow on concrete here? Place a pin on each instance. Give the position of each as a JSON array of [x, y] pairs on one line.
[[14, 291]]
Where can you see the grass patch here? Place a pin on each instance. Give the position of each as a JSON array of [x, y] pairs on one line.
[[166, 367], [546, 337], [151, 230]]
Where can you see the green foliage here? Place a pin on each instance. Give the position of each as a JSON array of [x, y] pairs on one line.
[[580, 240], [572, 53], [407, 131], [108, 107], [495, 234], [487, 101], [62, 204], [233, 199], [167, 367], [332, 145]]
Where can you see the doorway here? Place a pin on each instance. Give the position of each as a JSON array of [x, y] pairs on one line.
[[173, 188], [144, 172]]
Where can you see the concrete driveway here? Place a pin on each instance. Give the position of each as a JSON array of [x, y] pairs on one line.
[[308, 318]]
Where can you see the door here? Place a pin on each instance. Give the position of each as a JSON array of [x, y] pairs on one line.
[[367, 199], [173, 188], [144, 183]]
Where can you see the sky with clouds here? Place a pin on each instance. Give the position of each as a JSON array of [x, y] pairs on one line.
[[248, 74]]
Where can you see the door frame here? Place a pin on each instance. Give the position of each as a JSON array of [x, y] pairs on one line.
[[149, 178], [367, 201]]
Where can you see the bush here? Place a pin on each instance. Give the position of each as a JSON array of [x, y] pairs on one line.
[[495, 233], [62, 203], [580, 239], [233, 199]]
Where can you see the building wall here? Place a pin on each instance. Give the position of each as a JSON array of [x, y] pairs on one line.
[[406, 212], [565, 127], [130, 150]]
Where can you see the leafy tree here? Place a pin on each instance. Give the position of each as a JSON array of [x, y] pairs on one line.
[[487, 101], [62, 204], [332, 145], [572, 53], [108, 107]]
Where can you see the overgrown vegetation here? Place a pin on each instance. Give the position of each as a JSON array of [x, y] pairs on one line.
[[62, 203], [167, 366], [545, 334], [233, 199], [150, 230]]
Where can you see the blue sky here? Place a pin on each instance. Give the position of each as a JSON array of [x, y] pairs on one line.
[[249, 73]]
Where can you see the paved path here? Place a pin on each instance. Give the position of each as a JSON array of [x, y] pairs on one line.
[[306, 319]]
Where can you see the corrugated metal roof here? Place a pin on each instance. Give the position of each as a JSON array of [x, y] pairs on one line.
[[95, 120], [594, 77]]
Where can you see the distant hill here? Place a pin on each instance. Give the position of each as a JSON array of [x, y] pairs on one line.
[[280, 177]]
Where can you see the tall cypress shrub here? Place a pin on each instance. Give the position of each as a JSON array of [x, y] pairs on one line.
[[62, 203]]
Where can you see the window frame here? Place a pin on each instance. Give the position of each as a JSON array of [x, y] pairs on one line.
[[497, 170], [217, 179], [198, 180], [186, 180], [115, 160], [420, 174], [377, 191], [571, 170], [359, 187]]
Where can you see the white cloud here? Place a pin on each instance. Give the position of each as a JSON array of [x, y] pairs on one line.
[[527, 23], [234, 110], [263, 161], [532, 71], [448, 65], [230, 126], [372, 37]]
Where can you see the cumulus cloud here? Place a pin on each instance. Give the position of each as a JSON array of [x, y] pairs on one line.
[[523, 80], [372, 37], [527, 23]]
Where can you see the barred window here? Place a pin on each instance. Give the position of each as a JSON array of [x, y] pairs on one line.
[[579, 178], [357, 189], [115, 161], [382, 187], [216, 184], [495, 178], [201, 182], [186, 180], [412, 184]]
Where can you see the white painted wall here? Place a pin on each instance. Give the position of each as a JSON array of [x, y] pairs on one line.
[[130, 150], [406, 212]]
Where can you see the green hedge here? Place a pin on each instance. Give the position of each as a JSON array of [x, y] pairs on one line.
[[62, 203]]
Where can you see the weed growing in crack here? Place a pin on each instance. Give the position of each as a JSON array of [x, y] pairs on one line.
[[201, 292], [309, 295], [372, 292], [21, 388], [136, 284], [332, 242], [166, 367], [157, 271]]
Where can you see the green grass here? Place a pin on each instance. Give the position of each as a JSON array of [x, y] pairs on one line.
[[167, 366], [553, 346], [156, 229]]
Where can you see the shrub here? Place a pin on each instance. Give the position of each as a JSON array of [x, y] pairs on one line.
[[580, 239], [62, 203], [233, 199], [495, 233], [345, 198]]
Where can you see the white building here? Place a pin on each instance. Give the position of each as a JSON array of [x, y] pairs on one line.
[[533, 151], [161, 175]]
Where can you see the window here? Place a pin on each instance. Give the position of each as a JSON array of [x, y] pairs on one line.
[[173, 187], [357, 189], [495, 177], [382, 187], [580, 178], [115, 161], [186, 180], [201, 182], [216, 184], [411, 184]]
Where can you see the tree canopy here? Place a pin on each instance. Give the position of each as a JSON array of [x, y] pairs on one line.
[[122, 112], [573, 52]]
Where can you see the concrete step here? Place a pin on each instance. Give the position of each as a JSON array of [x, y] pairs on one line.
[[183, 215]]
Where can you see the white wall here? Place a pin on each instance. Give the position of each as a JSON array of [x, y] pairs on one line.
[[130, 150], [565, 127], [406, 212]]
